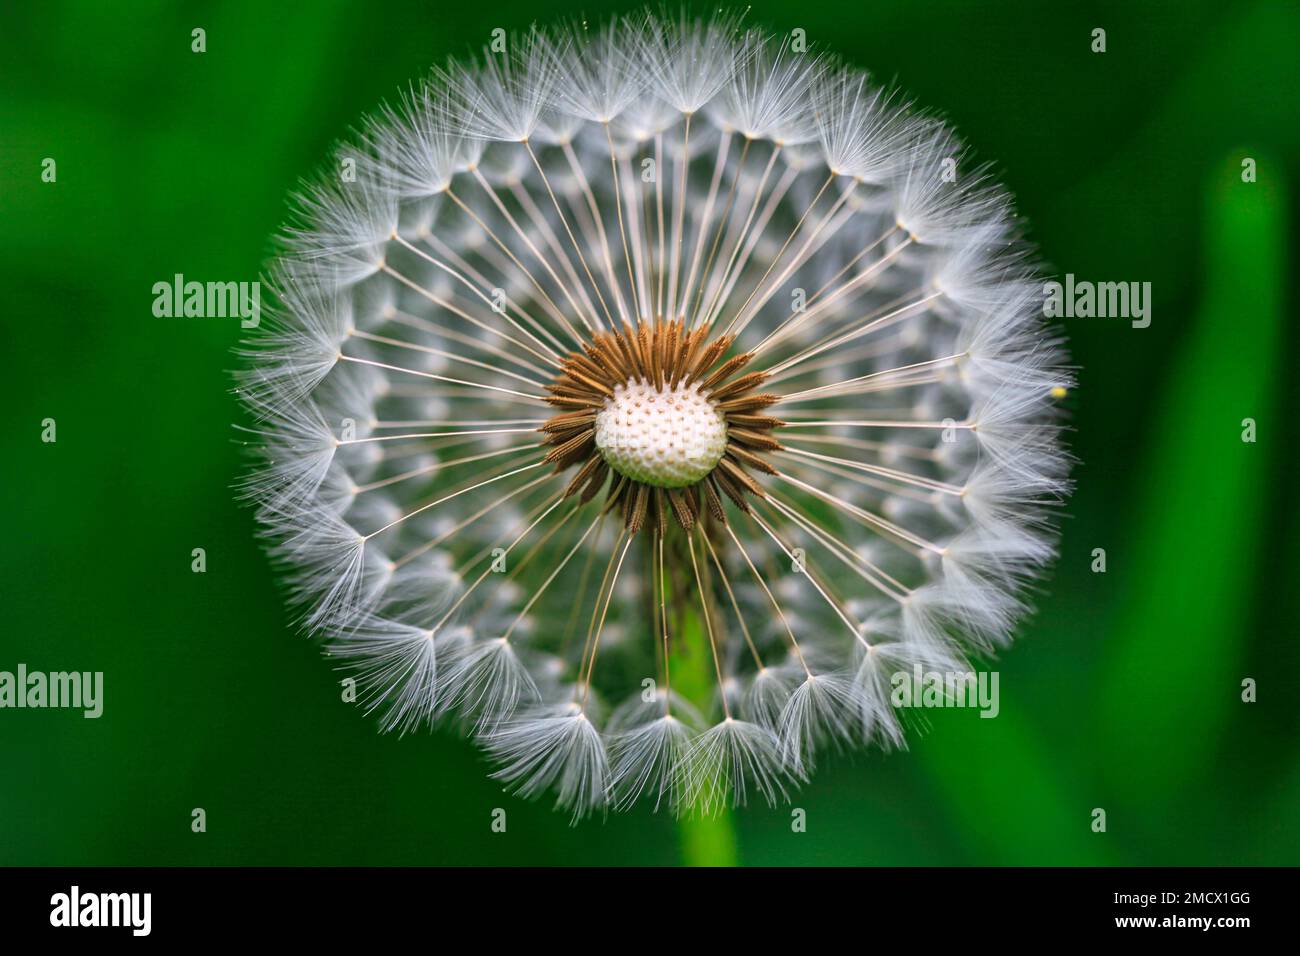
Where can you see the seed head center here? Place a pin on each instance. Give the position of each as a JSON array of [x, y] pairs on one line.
[[669, 437]]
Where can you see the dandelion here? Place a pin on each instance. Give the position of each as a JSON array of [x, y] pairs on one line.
[[644, 398]]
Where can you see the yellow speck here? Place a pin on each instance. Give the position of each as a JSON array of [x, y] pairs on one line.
[[1060, 391]]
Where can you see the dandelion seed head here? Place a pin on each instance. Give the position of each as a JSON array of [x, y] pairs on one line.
[[641, 397], [668, 437]]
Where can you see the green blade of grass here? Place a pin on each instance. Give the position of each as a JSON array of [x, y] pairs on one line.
[[1176, 644], [1004, 795]]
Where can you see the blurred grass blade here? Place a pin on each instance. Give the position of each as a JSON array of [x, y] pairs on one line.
[[1176, 644], [1007, 799]]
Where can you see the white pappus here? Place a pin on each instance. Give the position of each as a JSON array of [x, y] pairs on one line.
[[644, 397]]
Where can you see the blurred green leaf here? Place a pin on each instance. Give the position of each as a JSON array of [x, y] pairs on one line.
[[1189, 568], [1007, 796]]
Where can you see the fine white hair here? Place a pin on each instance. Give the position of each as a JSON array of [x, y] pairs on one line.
[[693, 198]]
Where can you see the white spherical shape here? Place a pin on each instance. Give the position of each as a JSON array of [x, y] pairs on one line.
[[670, 437], [916, 400]]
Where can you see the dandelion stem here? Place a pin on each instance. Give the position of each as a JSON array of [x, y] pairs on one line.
[[708, 841], [706, 838]]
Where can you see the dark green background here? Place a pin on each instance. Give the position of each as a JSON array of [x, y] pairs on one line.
[[1124, 691]]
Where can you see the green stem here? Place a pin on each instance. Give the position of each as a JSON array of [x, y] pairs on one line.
[[707, 839]]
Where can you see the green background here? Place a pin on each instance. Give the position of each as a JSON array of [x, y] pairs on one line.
[[1124, 691]]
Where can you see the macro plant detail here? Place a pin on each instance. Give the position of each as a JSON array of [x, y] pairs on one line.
[[641, 397]]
